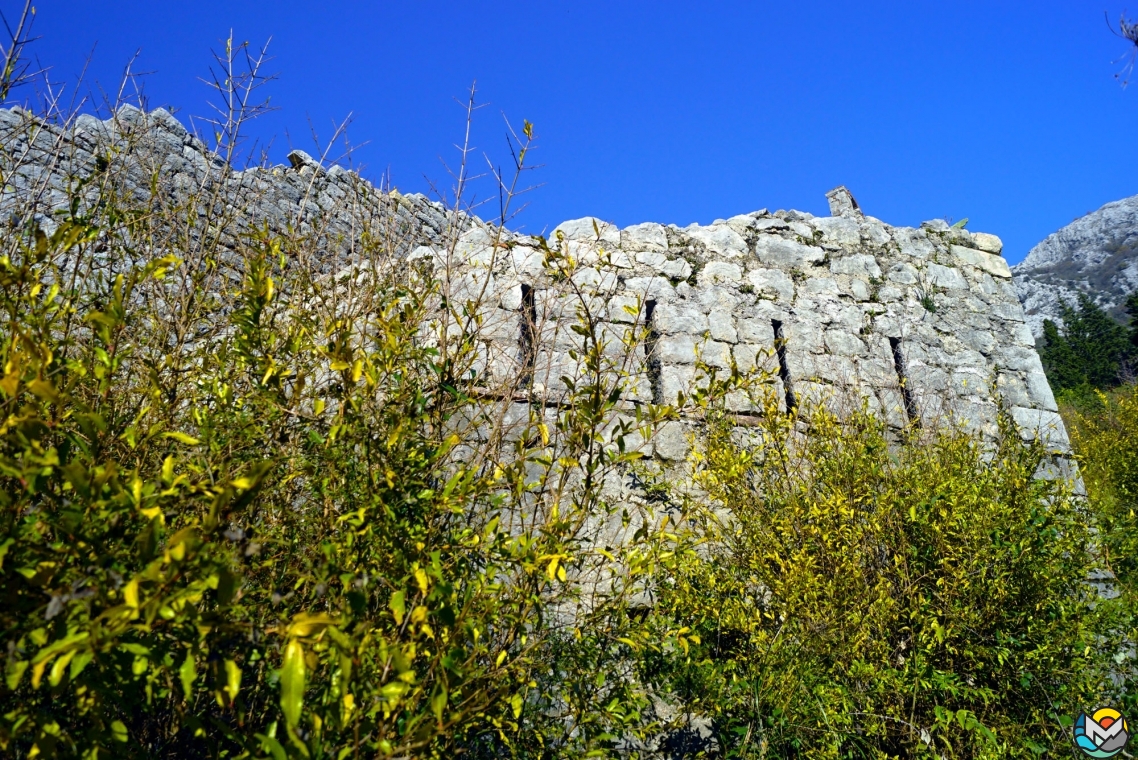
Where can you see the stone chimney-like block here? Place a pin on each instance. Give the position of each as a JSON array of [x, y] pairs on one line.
[[842, 202]]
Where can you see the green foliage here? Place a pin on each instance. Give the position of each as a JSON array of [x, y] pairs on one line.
[[1105, 438], [244, 515], [857, 596], [1089, 350]]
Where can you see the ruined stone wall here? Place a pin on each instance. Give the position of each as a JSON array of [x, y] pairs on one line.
[[923, 323]]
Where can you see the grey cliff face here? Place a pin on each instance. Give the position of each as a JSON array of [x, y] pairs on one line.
[[1096, 254]]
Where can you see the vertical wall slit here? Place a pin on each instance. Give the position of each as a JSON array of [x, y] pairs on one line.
[[783, 367], [528, 340], [903, 379], [653, 362]]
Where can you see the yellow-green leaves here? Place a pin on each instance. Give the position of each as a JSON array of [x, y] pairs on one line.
[[292, 682], [187, 674]]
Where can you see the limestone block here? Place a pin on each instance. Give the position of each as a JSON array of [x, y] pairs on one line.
[[913, 243], [786, 254], [1013, 312], [1012, 389], [652, 259], [902, 273], [893, 407], [974, 416], [836, 370], [676, 349], [589, 229], [720, 272], [819, 286], [860, 265], [990, 263], [644, 237], [770, 223], [722, 325], [675, 380], [595, 280], [969, 381], [716, 354], [511, 298], [841, 231], [1041, 424], [874, 231], [772, 283], [1040, 391], [719, 239], [946, 277], [889, 294], [677, 269], [858, 289], [626, 308], [671, 318], [843, 343], [877, 372], [752, 357], [756, 331], [671, 441], [978, 340], [988, 243], [1018, 357], [715, 298], [500, 325], [803, 337], [925, 378], [650, 289]]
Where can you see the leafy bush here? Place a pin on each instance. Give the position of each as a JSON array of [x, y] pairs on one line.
[[250, 509], [854, 595], [1104, 435]]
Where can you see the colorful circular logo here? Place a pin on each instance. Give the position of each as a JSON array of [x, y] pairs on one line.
[[1101, 734]]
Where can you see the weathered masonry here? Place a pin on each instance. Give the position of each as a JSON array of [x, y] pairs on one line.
[[923, 323]]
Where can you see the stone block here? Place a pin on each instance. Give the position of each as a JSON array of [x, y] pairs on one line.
[[722, 326], [990, 263], [988, 243], [676, 349], [843, 343], [644, 237], [859, 265], [595, 280], [671, 318], [720, 272], [838, 231], [719, 239], [772, 283], [589, 229], [946, 277], [650, 289], [1043, 425], [677, 269], [671, 441], [626, 309], [756, 331], [786, 254], [1040, 391]]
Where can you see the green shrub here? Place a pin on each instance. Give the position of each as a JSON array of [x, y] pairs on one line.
[[854, 595]]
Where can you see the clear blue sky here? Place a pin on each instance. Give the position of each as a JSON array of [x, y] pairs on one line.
[[1005, 112]]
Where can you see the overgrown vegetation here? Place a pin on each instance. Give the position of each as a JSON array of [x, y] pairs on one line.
[[253, 509]]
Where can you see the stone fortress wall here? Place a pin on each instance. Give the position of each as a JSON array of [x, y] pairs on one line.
[[924, 323]]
